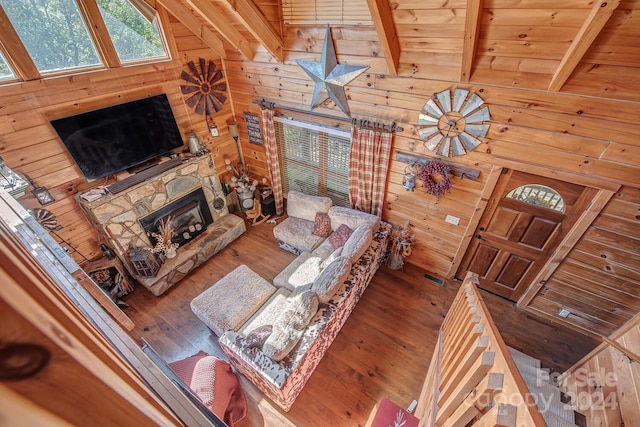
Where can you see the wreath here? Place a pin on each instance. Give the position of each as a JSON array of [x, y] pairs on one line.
[[435, 177]]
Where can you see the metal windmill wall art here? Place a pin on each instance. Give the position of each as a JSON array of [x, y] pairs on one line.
[[452, 123], [329, 76], [206, 88]]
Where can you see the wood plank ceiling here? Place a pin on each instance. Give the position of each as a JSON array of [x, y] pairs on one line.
[[534, 44]]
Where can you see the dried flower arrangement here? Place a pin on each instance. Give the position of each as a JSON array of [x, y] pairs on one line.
[[240, 179], [435, 177], [401, 240], [163, 237]]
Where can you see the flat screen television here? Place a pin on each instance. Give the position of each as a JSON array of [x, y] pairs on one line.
[[109, 140]]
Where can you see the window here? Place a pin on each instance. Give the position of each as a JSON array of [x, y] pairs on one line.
[[344, 12], [539, 195], [134, 38], [314, 159], [54, 33], [56, 36], [5, 71]]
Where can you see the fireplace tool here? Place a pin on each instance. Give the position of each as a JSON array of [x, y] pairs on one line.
[[218, 202]]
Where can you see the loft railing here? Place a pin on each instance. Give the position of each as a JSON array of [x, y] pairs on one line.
[[472, 379], [603, 386]]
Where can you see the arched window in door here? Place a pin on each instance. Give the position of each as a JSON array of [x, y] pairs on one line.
[[539, 195]]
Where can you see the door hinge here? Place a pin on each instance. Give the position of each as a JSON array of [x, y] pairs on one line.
[[588, 206]]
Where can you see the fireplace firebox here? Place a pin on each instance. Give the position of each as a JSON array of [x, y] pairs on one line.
[[190, 216]]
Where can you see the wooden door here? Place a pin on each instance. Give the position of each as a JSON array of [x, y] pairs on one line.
[[519, 232]]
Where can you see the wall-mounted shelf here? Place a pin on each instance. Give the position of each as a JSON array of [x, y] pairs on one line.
[[456, 170]]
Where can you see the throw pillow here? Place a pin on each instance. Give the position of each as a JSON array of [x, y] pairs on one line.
[[332, 257], [331, 278], [339, 237], [281, 342], [358, 243], [289, 326], [322, 224], [298, 311], [257, 337]]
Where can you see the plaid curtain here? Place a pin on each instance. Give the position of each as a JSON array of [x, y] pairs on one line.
[[369, 162], [269, 134]]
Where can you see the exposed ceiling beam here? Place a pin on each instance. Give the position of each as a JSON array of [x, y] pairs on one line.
[[471, 30], [255, 22], [191, 21], [214, 17], [18, 58], [383, 21], [595, 22]]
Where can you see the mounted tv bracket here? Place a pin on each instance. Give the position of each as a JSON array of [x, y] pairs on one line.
[[206, 91]]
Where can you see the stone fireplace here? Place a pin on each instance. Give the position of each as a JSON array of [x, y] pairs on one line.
[[187, 193]]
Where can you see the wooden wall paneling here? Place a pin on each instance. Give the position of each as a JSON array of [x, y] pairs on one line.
[[612, 295], [584, 302], [572, 105], [573, 284]]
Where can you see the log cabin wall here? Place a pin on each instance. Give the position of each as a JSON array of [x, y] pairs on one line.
[[585, 132], [29, 145], [547, 117]]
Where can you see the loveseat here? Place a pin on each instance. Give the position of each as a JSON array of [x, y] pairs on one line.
[[314, 297]]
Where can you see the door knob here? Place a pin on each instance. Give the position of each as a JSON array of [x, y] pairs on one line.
[[479, 236], [481, 228]]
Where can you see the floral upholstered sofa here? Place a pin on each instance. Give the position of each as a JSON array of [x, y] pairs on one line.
[[330, 280]]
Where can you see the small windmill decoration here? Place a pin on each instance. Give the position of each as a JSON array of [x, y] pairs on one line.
[[207, 95], [452, 122]]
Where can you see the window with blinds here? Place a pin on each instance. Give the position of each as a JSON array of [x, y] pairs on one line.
[[351, 12], [314, 159]]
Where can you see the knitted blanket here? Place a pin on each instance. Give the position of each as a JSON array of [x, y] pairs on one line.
[[214, 382]]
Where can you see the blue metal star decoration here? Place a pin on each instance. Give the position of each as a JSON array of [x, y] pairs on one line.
[[330, 77]]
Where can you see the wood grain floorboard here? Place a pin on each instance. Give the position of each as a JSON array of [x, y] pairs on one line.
[[384, 349]]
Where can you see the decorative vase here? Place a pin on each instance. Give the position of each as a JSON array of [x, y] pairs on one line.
[[170, 253], [245, 197], [395, 260]]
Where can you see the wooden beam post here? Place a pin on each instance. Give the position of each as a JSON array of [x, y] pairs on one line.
[[255, 22], [213, 16], [383, 21], [194, 25], [471, 29], [598, 17]]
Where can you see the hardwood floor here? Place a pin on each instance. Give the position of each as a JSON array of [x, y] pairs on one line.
[[383, 349]]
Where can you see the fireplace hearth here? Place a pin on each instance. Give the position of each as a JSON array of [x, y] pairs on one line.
[[186, 192], [190, 217]]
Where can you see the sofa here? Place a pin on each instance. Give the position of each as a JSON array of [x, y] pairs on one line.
[[281, 344]]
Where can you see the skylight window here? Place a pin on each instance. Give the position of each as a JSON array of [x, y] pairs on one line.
[[134, 38], [5, 71], [54, 33]]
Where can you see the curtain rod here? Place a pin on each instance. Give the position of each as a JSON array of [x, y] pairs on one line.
[[367, 124]]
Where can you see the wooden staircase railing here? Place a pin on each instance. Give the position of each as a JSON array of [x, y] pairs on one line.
[[604, 386], [472, 377]]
